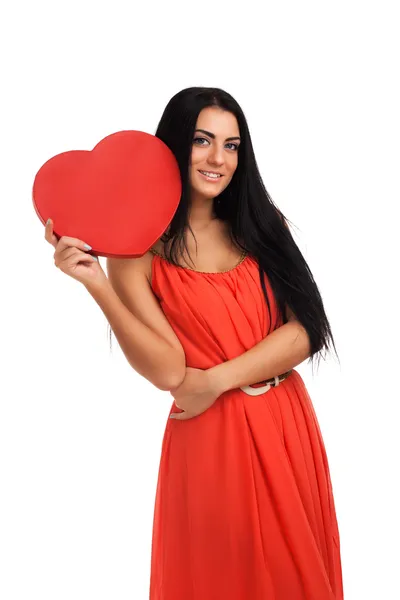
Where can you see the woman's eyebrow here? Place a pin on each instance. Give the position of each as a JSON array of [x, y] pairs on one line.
[[211, 135]]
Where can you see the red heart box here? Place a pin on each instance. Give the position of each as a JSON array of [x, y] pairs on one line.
[[119, 197]]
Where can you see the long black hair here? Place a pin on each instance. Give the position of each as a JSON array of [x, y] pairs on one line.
[[256, 225]]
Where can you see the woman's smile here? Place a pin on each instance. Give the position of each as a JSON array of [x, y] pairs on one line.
[[209, 177]]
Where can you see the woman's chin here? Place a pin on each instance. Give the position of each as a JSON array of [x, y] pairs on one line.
[[204, 191]]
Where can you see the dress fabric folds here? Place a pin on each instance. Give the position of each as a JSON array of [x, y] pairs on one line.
[[244, 506]]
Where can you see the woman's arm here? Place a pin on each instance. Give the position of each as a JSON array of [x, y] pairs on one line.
[[151, 351], [281, 350]]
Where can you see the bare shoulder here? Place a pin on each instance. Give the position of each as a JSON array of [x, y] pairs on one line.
[[158, 248], [140, 264]]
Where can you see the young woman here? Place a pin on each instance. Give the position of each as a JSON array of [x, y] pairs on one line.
[[219, 312]]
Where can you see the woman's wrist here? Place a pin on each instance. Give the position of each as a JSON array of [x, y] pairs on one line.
[[99, 288], [217, 379]]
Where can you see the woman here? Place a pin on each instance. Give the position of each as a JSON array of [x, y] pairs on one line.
[[244, 506]]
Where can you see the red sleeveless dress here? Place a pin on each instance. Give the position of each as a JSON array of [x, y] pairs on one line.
[[244, 505]]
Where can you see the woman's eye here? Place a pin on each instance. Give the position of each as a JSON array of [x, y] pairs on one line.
[[199, 138], [236, 146]]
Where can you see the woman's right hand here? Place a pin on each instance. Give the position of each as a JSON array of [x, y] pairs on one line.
[[71, 258]]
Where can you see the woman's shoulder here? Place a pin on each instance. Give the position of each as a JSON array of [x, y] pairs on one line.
[[158, 248]]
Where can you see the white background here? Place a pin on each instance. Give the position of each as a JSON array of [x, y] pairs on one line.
[[80, 431]]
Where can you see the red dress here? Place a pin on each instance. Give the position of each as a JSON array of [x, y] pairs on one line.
[[244, 505]]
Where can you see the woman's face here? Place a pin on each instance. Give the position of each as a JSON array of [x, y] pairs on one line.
[[214, 149]]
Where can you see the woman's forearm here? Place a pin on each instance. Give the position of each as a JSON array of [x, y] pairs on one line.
[[146, 352], [281, 350]]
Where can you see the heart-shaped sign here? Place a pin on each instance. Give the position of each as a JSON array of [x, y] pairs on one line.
[[119, 197]]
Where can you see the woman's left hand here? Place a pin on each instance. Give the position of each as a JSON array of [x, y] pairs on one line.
[[197, 392]]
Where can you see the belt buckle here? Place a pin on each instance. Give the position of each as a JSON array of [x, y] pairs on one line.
[[251, 391]]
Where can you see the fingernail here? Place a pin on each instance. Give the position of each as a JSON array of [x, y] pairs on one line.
[[88, 247], [172, 416], [95, 258], [48, 221]]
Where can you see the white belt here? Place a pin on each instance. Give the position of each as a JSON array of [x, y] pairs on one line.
[[251, 391]]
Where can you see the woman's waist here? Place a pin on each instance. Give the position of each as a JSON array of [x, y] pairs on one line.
[[261, 387]]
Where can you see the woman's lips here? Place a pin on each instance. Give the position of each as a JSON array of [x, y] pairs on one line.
[[212, 179]]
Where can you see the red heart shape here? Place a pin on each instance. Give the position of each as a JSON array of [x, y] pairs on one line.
[[119, 197]]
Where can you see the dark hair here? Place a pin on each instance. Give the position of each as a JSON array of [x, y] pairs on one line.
[[256, 224]]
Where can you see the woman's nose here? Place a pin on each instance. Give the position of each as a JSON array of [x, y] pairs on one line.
[[216, 155]]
